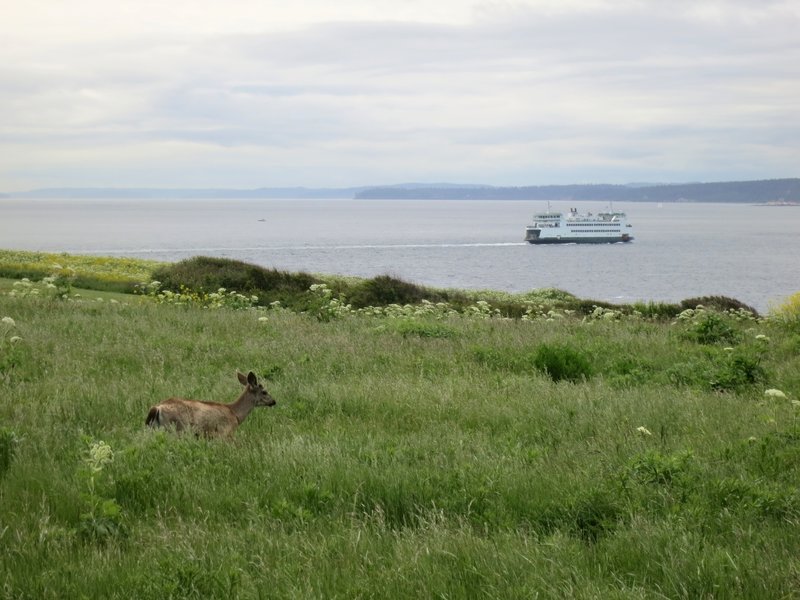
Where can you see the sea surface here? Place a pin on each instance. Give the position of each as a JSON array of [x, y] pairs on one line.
[[681, 250]]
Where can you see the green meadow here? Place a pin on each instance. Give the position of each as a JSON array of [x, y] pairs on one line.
[[454, 446]]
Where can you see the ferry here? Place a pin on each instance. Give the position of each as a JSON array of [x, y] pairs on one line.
[[573, 228]]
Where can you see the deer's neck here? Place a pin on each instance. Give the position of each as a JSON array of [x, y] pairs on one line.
[[243, 406]]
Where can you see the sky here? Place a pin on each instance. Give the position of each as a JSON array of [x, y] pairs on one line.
[[270, 93]]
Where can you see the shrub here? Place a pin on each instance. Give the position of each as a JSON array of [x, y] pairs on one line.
[[385, 290], [739, 370], [788, 312], [657, 310], [561, 362], [732, 370], [588, 307], [720, 303], [711, 328], [205, 274], [629, 370], [595, 514]]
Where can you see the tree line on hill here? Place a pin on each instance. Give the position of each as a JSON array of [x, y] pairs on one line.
[[772, 190]]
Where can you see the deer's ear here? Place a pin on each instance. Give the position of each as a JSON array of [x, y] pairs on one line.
[[251, 379], [242, 379]]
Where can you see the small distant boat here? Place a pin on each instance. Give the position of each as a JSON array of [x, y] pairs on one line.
[[574, 228]]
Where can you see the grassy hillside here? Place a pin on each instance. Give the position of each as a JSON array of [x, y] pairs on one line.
[[413, 453]]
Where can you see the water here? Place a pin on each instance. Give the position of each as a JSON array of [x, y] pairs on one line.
[[681, 250]]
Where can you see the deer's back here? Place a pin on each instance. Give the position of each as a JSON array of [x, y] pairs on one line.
[[211, 418]]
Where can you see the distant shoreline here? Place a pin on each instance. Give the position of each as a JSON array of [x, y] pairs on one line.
[[777, 192]]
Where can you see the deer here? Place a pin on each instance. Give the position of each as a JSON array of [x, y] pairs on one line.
[[210, 419]]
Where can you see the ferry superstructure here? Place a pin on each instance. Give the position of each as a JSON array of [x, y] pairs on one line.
[[574, 228]]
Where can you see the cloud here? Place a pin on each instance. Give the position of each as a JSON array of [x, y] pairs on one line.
[[527, 92]]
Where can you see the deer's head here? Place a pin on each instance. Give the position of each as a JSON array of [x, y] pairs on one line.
[[255, 390]]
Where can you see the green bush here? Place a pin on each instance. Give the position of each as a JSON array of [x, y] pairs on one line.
[[721, 371], [657, 310], [562, 362], [384, 290], [595, 514], [720, 303], [737, 371], [712, 328], [205, 274]]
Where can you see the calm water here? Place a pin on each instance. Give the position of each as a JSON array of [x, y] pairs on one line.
[[681, 250]]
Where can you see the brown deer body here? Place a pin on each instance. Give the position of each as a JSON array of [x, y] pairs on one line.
[[210, 418]]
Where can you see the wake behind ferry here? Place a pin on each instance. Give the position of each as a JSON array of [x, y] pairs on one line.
[[574, 228]]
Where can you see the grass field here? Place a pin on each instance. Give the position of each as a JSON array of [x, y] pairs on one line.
[[409, 456]]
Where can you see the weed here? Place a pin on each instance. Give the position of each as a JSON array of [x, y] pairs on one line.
[[221, 298], [654, 467], [102, 519], [13, 350], [324, 305]]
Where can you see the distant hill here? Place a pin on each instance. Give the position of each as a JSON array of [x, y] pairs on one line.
[[187, 193], [730, 191]]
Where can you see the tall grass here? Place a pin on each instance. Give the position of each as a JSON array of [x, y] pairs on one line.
[[95, 272], [419, 457]]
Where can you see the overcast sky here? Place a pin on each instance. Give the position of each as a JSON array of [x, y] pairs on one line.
[[252, 93]]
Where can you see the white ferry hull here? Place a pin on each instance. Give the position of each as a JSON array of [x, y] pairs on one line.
[[574, 228], [532, 237]]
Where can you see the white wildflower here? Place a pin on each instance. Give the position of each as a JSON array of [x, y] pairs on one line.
[[762, 338], [8, 321], [773, 393], [100, 454], [643, 430], [263, 319], [14, 339]]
